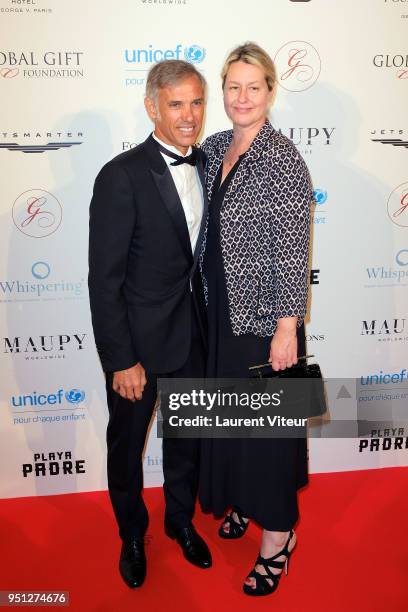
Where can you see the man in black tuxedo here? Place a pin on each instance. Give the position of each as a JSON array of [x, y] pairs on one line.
[[146, 225]]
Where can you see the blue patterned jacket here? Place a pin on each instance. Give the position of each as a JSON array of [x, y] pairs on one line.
[[265, 228]]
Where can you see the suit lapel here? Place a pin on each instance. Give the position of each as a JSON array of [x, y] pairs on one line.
[[168, 193], [200, 170]]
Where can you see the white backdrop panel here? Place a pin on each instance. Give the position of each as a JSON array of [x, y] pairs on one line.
[[72, 82]]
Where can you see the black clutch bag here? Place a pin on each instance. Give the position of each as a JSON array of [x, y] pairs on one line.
[[301, 370]]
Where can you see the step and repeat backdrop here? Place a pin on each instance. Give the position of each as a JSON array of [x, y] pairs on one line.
[[72, 81]]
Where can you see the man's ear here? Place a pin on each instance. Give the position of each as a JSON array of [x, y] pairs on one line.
[[150, 107]]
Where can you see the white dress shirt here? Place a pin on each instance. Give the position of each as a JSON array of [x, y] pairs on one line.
[[189, 189]]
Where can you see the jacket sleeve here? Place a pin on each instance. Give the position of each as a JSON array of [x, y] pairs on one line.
[[291, 232], [111, 223]]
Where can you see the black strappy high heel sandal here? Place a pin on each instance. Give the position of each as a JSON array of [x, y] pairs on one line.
[[236, 528], [263, 587]]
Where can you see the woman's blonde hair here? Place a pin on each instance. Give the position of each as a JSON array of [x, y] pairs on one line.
[[251, 53]]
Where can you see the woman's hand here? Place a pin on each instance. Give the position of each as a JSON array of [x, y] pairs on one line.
[[283, 352]]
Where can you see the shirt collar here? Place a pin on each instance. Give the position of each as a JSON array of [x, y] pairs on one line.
[[171, 148]]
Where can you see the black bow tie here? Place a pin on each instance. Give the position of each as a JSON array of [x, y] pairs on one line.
[[188, 159]]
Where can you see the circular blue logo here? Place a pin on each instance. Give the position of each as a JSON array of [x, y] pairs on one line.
[[40, 270], [194, 54], [402, 257], [75, 396], [319, 196]]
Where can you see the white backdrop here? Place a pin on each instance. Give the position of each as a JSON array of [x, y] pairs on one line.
[[72, 83]]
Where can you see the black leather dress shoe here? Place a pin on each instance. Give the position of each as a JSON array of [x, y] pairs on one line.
[[193, 546], [132, 562]]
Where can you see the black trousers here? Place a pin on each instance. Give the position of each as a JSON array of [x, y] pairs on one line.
[[126, 436]]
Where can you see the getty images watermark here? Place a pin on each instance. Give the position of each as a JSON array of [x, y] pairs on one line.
[[364, 407], [221, 400], [236, 407]]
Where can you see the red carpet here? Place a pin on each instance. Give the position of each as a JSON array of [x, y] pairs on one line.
[[351, 554]]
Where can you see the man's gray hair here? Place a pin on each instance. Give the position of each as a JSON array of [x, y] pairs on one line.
[[169, 73]]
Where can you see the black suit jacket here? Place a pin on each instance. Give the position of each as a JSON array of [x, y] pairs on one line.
[[141, 263]]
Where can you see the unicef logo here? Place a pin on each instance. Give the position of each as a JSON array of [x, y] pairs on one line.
[[194, 54], [319, 196], [75, 396]]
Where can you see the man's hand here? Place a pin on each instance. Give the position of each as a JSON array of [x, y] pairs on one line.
[[283, 352], [130, 383]]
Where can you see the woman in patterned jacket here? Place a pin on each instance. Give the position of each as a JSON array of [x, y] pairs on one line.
[[255, 270]]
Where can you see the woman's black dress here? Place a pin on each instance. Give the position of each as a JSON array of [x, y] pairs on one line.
[[259, 476]]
